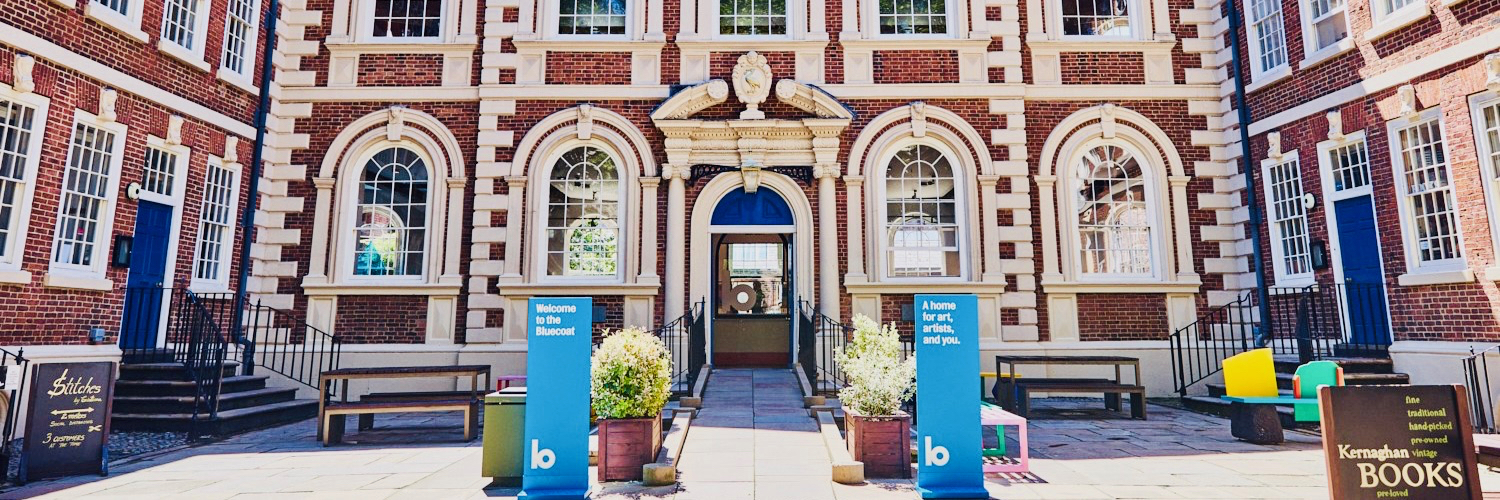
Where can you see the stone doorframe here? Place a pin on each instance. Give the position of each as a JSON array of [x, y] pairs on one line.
[[756, 142]]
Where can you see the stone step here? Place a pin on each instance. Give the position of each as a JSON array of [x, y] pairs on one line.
[[166, 371], [226, 422], [1288, 363], [237, 383], [184, 404]]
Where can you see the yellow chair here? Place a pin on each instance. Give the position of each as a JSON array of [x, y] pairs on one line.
[[1250, 374]]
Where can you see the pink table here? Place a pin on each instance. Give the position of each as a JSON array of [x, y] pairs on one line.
[[993, 415]]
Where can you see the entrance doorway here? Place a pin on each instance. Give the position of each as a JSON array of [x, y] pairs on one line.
[[145, 289], [753, 294], [1354, 242]]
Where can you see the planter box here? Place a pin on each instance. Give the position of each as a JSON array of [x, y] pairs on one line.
[[625, 444], [883, 443]]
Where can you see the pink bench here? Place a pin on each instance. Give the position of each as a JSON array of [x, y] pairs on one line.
[[991, 415]]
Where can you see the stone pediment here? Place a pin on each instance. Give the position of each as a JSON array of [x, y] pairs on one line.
[[689, 101]]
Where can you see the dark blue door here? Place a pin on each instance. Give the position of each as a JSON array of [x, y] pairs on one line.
[[1364, 281], [148, 270]]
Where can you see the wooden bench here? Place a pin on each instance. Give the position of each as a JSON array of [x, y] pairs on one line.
[[332, 428], [1111, 390], [367, 420], [331, 413]]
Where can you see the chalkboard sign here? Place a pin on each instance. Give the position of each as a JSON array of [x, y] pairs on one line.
[[1399, 442], [68, 420]]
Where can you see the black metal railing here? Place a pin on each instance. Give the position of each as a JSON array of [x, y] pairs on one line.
[[12, 396], [1481, 390], [280, 341], [201, 346], [149, 312], [1313, 322], [1199, 348], [824, 337], [697, 344], [683, 338]]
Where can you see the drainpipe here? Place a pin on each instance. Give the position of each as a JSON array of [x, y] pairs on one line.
[[1263, 296], [247, 219]]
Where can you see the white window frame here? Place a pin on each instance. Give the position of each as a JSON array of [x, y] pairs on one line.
[[961, 211], [796, 21], [1140, 23], [1489, 165], [193, 56], [219, 283], [243, 77], [1155, 201], [10, 254], [1414, 266], [552, 15], [365, 27], [1313, 55], [1261, 76], [1278, 251], [127, 23], [872, 16], [351, 180], [1384, 22], [179, 175], [91, 276], [542, 204]]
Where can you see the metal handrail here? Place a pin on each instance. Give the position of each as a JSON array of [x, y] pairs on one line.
[[828, 338], [284, 343], [683, 339], [1199, 348], [1481, 391], [14, 398]]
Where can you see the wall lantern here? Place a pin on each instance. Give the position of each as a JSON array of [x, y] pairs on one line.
[[1318, 250], [120, 257]]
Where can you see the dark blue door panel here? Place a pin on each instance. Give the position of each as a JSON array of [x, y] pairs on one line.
[[148, 271], [1364, 281]]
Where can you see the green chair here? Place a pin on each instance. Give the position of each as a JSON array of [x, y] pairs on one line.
[[1305, 383]]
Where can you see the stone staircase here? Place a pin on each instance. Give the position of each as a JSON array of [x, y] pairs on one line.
[[1357, 371], [158, 396]]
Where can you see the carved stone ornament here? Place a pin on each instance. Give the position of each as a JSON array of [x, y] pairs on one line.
[[231, 149], [1107, 121], [395, 122], [918, 119], [1335, 125], [174, 130], [752, 84], [585, 122], [1492, 71], [107, 99], [23, 66], [1407, 96], [691, 100], [750, 174], [1273, 145]]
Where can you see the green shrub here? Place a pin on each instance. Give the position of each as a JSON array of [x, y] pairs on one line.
[[632, 375], [879, 378]]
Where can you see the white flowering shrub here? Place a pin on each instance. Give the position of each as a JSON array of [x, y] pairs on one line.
[[632, 375], [879, 378]]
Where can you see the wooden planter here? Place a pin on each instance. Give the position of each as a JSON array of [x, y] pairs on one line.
[[625, 444], [883, 443]]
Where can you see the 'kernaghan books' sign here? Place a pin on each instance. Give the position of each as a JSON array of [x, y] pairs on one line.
[[1399, 442]]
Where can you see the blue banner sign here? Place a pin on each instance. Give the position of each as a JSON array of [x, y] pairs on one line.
[[557, 398], [949, 464]]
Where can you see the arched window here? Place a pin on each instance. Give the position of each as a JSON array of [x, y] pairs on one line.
[[921, 214], [583, 215], [390, 229], [1113, 213]]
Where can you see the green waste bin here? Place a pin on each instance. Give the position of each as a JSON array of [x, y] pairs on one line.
[[504, 430]]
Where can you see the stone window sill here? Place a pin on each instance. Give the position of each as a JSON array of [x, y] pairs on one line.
[[1397, 20], [1329, 52], [891, 42], [1101, 45], [357, 48], [553, 289], [116, 21], [54, 280], [1492, 274], [905, 287], [1121, 287], [1269, 77], [240, 82], [1436, 278], [186, 56], [423, 289], [15, 277], [578, 45]]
